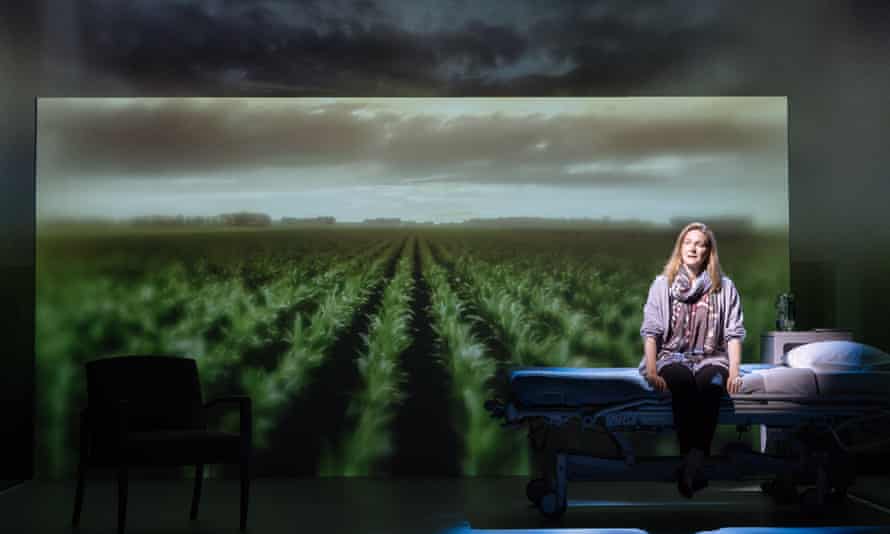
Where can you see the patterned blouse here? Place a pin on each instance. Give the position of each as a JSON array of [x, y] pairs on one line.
[[692, 344]]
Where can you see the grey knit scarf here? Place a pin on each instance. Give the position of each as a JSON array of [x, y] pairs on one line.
[[685, 291]]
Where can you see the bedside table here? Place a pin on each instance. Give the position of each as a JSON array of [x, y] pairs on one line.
[[773, 348]]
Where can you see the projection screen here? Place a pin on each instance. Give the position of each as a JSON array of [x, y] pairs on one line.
[[368, 270]]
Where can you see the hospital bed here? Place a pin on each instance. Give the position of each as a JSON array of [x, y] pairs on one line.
[[812, 426]]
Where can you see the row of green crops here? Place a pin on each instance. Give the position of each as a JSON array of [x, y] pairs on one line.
[[308, 341], [228, 327], [486, 449], [255, 325], [595, 324], [531, 338], [554, 333], [372, 408]]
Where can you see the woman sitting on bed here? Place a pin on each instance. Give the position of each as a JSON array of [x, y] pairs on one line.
[[693, 331]]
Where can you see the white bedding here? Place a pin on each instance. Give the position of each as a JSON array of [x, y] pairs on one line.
[[807, 382]]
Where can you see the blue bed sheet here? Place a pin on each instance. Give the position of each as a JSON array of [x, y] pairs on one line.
[[563, 386]]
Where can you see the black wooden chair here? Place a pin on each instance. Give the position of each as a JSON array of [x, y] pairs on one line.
[[148, 411]]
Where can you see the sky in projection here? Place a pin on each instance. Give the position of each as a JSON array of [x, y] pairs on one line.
[[419, 159]]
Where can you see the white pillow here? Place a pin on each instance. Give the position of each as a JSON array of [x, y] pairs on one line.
[[838, 356]]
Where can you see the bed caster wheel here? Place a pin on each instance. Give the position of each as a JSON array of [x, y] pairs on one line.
[[550, 507], [536, 488]]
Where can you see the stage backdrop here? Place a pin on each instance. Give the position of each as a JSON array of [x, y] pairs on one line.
[[368, 270]]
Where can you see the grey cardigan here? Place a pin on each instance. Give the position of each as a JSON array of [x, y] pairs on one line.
[[657, 313]]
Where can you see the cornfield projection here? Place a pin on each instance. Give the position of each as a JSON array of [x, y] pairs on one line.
[[366, 351]]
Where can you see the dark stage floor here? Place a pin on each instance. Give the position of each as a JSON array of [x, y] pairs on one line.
[[423, 506]]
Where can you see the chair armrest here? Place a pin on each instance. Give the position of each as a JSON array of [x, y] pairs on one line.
[[229, 399], [246, 415]]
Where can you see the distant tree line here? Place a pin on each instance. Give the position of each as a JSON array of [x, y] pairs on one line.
[[243, 218]]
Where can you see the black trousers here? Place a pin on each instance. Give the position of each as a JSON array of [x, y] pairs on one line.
[[696, 403]]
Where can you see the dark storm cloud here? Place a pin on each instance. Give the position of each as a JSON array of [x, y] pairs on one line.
[[175, 137], [615, 49], [384, 47], [306, 48], [90, 138], [509, 143]]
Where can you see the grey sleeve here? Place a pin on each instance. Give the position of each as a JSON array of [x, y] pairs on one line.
[[653, 317], [734, 320]]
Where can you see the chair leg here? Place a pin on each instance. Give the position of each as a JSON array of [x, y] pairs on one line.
[[245, 488], [122, 484], [78, 493], [196, 494]]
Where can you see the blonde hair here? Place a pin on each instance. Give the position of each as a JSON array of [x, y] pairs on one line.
[[712, 263]]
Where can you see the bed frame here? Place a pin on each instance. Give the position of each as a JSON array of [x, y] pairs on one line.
[[804, 442]]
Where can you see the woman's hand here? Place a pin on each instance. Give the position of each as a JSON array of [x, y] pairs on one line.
[[656, 381], [650, 349], [734, 382]]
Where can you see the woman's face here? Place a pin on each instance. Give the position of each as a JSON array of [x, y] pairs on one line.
[[694, 250]]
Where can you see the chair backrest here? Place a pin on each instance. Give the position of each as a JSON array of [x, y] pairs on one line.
[[162, 392]]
